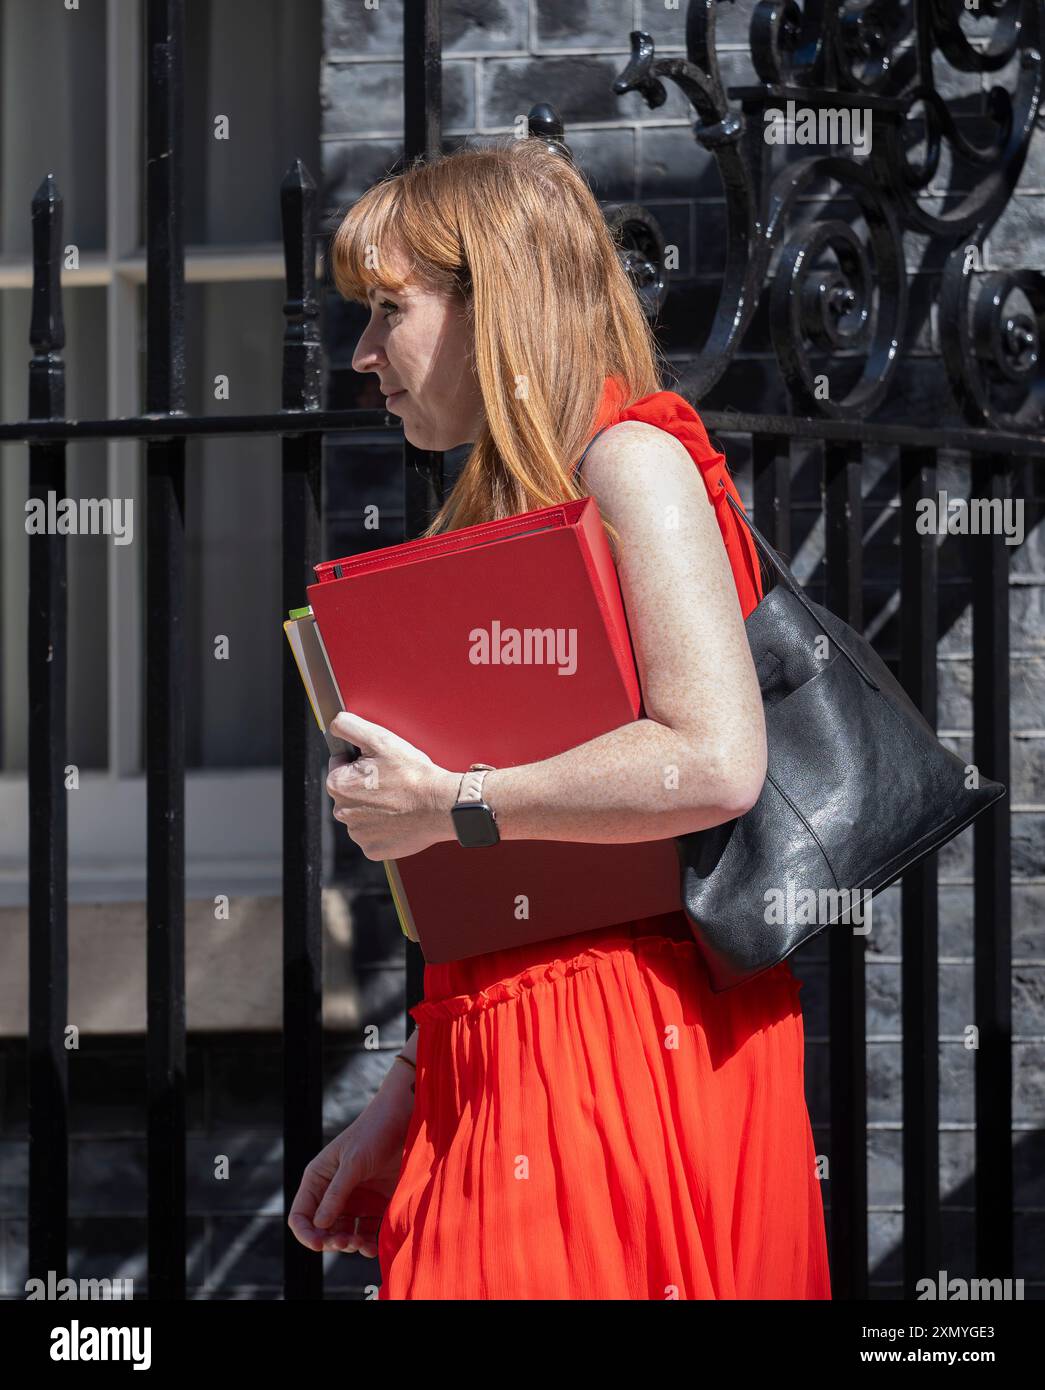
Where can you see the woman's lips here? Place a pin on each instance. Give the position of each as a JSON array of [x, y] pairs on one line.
[[393, 397]]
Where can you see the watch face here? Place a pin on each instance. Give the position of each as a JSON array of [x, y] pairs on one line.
[[475, 826]]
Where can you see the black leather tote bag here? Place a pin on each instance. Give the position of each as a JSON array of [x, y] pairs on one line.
[[858, 790]]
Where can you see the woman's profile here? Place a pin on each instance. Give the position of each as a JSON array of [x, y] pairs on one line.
[[583, 1118]]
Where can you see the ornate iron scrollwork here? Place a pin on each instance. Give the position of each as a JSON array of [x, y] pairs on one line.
[[833, 289]]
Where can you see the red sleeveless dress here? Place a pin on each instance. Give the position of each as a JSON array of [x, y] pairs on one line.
[[558, 1150]]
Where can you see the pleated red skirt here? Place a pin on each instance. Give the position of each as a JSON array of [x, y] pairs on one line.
[[592, 1121]]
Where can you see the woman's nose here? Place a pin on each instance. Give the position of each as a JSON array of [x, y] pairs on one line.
[[367, 356]]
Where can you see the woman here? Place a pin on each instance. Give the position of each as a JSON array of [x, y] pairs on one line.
[[590, 1119]]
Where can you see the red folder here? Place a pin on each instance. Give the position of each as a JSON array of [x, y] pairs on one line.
[[502, 643]]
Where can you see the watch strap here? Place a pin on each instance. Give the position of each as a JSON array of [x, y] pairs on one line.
[[472, 782]]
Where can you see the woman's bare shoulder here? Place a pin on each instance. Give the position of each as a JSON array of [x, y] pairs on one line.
[[634, 456], [637, 430]]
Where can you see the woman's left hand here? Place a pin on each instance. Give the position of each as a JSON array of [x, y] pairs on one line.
[[393, 800]]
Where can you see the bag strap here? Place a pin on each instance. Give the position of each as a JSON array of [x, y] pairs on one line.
[[792, 583], [591, 441], [774, 558]]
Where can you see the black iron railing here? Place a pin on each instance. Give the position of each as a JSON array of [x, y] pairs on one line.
[[813, 310]]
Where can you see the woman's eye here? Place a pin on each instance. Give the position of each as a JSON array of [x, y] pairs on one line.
[[387, 304]]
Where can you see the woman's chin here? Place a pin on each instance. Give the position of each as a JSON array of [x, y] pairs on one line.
[[423, 439], [431, 440]]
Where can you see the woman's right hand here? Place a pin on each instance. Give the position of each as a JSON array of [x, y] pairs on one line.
[[347, 1186]]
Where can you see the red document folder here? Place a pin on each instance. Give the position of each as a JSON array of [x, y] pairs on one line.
[[423, 639]]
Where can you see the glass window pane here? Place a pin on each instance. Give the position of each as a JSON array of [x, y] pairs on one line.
[[233, 512], [255, 63], [52, 119]]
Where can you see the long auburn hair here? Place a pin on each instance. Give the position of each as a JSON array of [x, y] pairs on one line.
[[514, 228]]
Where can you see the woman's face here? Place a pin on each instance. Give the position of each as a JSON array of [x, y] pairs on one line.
[[419, 343]]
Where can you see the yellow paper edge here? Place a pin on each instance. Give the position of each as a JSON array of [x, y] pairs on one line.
[[402, 907], [302, 672], [395, 883]]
